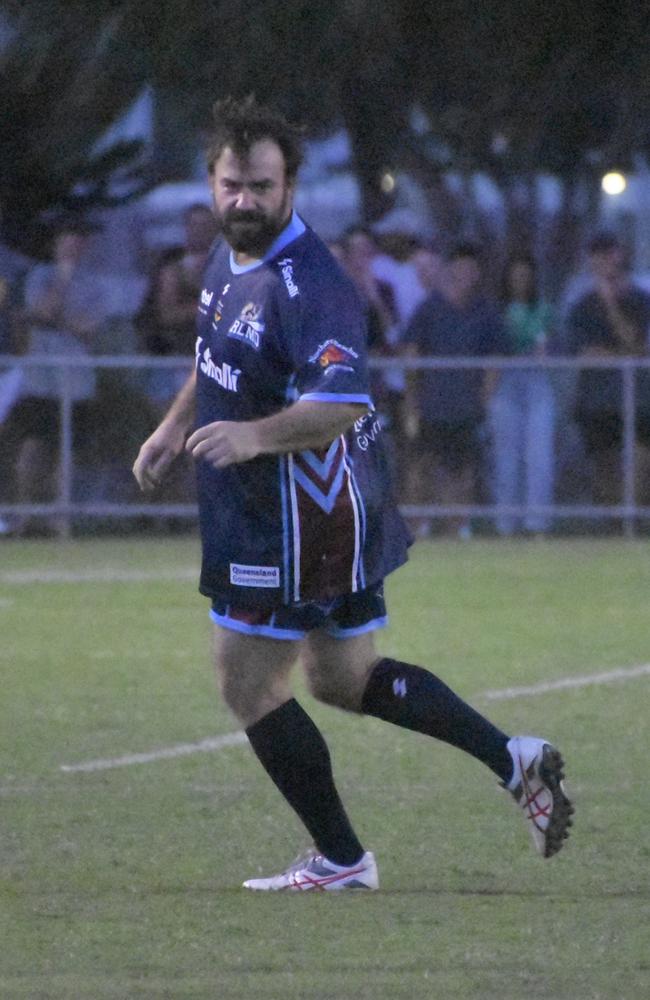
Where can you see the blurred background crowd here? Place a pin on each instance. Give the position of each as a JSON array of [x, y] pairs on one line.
[[486, 187], [521, 438]]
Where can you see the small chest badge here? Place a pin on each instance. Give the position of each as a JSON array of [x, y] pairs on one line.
[[249, 327], [218, 312]]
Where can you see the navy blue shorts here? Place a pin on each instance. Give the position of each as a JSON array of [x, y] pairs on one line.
[[343, 618]]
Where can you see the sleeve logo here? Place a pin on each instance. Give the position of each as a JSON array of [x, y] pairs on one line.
[[332, 356]]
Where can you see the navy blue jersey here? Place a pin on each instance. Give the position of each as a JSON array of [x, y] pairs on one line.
[[307, 526]]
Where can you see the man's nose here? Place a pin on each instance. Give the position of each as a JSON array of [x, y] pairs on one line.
[[245, 201]]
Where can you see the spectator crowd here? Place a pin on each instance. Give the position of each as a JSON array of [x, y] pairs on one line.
[[521, 437]]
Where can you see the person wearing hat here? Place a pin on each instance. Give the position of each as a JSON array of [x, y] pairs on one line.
[[611, 320], [62, 313]]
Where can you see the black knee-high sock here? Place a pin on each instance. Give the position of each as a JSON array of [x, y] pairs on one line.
[[416, 699], [294, 754]]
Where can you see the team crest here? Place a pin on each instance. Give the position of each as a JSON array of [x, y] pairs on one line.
[[218, 312], [249, 327], [332, 356]]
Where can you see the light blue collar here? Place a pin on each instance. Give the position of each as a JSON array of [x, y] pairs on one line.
[[294, 228]]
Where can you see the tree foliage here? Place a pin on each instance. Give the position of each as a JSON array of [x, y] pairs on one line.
[[507, 89]]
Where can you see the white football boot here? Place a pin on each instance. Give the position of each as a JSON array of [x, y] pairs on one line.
[[537, 787], [312, 871]]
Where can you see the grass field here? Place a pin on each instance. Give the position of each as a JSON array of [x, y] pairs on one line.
[[124, 882]]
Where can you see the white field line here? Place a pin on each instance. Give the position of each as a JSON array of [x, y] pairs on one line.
[[238, 738], [106, 575], [564, 683], [165, 753]]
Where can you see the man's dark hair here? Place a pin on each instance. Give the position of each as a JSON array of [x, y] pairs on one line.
[[240, 124]]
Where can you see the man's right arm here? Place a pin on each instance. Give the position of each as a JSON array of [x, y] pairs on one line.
[[168, 440]]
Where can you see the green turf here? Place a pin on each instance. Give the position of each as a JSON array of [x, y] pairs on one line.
[[124, 883]]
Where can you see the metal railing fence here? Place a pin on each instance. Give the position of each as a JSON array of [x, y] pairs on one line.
[[66, 508]]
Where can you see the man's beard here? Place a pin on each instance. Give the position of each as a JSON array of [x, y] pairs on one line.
[[252, 232]]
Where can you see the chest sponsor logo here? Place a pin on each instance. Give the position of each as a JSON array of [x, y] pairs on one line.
[[224, 374], [249, 327], [333, 356], [254, 576], [286, 269], [205, 300]]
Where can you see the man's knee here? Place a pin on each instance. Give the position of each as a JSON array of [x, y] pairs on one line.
[[340, 685], [249, 692], [329, 690], [253, 676], [337, 670]]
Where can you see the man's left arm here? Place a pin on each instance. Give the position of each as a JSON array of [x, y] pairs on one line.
[[304, 424]]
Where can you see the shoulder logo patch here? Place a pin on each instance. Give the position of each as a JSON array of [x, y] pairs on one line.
[[332, 356]]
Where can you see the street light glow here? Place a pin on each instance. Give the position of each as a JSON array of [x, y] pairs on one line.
[[614, 183]]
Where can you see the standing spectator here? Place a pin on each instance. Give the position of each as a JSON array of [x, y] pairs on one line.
[[522, 410], [359, 252], [428, 263], [167, 319], [13, 268], [393, 264], [12, 272], [167, 325], [63, 312], [448, 405], [610, 321]]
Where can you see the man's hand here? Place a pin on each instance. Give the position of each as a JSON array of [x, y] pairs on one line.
[[224, 442], [156, 455]]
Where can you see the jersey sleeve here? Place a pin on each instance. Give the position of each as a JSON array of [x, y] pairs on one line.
[[328, 341]]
